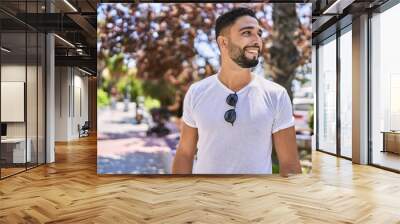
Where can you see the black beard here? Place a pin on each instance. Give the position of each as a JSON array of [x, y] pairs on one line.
[[238, 56]]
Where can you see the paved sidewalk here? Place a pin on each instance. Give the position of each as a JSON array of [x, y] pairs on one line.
[[124, 148]]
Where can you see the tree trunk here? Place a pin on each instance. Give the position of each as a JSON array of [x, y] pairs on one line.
[[283, 54]]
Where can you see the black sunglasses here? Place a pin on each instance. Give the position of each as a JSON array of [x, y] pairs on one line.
[[230, 115]]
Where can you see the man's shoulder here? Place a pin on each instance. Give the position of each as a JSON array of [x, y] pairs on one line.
[[270, 86], [274, 93], [200, 85]]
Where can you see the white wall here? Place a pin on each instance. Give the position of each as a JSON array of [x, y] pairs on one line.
[[12, 101], [71, 94], [14, 73], [33, 126], [62, 81], [80, 110]]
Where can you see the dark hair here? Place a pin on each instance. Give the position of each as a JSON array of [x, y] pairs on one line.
[[229, 18]]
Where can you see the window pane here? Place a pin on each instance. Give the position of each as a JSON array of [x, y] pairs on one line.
[[386, 88], [346, 94], [31, 97], [327, 97], [41, 99]]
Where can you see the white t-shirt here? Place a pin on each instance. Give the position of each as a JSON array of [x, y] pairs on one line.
[[263, 108]]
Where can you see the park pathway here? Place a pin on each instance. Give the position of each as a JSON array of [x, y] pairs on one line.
[[124, 148]]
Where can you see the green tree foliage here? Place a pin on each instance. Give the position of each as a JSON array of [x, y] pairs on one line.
[[162, 39], [102, 98]]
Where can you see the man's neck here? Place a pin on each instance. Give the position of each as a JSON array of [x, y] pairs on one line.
[[234, 77]]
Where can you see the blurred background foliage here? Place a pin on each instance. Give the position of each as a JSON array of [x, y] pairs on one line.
[[159, 49]]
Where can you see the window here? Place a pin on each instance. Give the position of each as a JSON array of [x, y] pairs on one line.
[[385, 85], [346, 92], [327, 96]]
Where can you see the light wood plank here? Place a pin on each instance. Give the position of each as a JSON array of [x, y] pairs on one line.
[[70, 191]]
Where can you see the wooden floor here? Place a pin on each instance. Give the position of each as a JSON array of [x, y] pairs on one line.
[[10, 171], [5, 172], [70, 191], [386, 159]]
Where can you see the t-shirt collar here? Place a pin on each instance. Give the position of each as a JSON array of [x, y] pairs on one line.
[[253, 78]]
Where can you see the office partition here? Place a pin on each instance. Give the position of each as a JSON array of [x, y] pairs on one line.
[[22, 77]]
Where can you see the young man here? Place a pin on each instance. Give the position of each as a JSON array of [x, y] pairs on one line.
[[231, 118]]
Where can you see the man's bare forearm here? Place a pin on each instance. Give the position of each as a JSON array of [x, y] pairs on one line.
[[288, 168], [289, 163], [287, 152], [182, 164]]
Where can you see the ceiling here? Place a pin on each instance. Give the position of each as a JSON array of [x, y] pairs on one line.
[[74, 22], [327, 13]]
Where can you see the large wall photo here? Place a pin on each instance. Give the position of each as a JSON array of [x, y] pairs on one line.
[[150, 55]]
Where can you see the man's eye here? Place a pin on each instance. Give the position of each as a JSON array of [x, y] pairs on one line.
[[246, 32]]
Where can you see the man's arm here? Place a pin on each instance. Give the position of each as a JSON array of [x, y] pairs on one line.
[[183, 162], [286, 149]]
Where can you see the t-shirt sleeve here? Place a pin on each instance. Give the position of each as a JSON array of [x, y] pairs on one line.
[[284, 113], [187, 115]]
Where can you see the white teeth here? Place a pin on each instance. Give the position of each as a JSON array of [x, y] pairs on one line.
[[253, 51]]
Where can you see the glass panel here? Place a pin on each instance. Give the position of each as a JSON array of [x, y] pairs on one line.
[[41, 90], [41, 99], [385, 86], [32, 88], [346, 94], [31, 97], [23, 82], [327, 96], [13, 87]]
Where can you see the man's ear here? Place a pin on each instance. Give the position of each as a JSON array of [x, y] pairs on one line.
[[222, 42]]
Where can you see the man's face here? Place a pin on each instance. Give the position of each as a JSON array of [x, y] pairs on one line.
[[244, 42]]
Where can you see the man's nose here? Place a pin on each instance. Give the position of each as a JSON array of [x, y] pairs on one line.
[[256, 41]]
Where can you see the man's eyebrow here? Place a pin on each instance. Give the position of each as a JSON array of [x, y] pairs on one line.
[[250, 27], [246, 28]]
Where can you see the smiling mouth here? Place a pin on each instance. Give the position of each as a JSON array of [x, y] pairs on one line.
[[252, 50]]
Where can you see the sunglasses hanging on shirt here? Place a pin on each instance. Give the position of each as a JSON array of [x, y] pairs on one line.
[[230, 115]]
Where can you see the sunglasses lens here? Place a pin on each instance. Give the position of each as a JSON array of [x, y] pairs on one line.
[[232, 99], [230, 116]]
